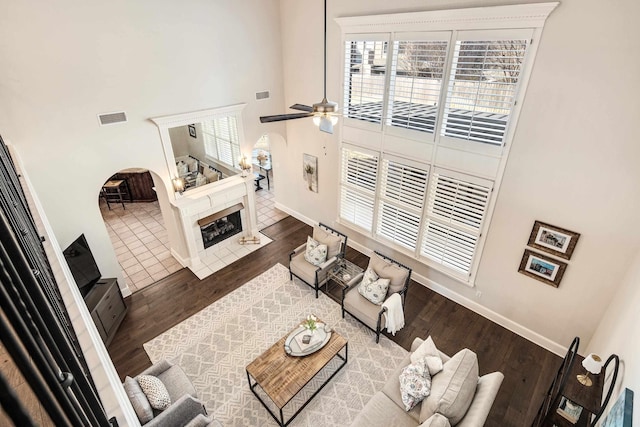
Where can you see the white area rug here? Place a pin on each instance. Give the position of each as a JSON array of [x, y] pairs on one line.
[[215, 345]]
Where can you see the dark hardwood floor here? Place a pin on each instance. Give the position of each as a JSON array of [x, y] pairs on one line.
[[528, 368]]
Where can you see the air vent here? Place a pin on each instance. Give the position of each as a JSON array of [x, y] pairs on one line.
[[112, 118], [262, 95]]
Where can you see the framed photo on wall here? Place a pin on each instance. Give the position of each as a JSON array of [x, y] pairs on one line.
[[192, 131], [554, 240], [542, 268]]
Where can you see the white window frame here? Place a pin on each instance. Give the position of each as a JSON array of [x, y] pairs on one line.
[[440, 151], [214, 142], [398, 202], [359, 191]]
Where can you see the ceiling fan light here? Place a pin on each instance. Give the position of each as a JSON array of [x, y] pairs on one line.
[[316, 120], [334, 120]]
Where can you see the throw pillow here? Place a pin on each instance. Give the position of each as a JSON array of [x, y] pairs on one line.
[[436, 420], [415, 384], [138, 400], [453, 389], [183, 169], [315, 253], [200, 180], [155, 391], [383, 268], [333, 242], [372, 287], [429, 351]]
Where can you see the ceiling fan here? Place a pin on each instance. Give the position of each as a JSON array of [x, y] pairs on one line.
[[323, 112]]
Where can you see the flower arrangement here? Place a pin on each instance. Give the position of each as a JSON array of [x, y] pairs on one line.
[[309, 169], [262, 157], [311, 323]]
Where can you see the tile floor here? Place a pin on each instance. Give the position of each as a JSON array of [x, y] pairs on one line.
[[265, 201], [140, 240]]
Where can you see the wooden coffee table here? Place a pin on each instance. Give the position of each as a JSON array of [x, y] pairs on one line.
[[281, 376]]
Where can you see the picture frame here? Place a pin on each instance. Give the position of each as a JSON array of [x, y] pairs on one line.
[[542, 268], [310, 171], [192, 131], [621, 413], [554, 240]]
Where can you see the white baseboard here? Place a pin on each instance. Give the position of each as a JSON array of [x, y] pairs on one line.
[[514, 327], [297, 215], [183, 262]]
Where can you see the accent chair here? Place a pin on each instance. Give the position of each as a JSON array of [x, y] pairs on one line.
[[185, 408], [316, 275], [362, 309]]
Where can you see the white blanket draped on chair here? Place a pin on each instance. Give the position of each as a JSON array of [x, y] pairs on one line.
[[394, 314]]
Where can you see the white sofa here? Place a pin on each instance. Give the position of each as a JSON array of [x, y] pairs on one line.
[[386, 408]]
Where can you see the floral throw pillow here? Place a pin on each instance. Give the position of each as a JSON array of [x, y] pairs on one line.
[[316, 253], [415, 384], [373, 288], [155, 391]]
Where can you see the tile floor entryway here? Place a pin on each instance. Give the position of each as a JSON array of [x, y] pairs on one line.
[[139, 237], [265, 201]]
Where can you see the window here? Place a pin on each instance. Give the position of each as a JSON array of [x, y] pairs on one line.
[[480, 88], [417, 68], [402, 196], [441, 88], [358, 187], [221, 140], [456, 210], [366, 64]]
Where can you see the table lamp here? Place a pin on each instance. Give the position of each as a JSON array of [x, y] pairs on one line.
[[244, 165], [593, 364], [178, 185]]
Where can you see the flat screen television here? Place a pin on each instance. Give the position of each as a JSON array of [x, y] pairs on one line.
[[82, 264]]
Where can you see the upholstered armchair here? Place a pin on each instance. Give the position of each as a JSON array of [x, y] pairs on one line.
[[362, 309], [314, 273], [185, 408]]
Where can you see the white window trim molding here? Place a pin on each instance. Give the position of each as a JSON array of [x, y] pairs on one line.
[[524, 16], [475, 18]]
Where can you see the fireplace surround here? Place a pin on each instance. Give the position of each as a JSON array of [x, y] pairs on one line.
[[226, 208]]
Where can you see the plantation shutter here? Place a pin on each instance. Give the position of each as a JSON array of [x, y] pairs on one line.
[[417, 68], [482, 89], [221, 139], [456, 208], [365, 74], [358, 186], [402, 196]]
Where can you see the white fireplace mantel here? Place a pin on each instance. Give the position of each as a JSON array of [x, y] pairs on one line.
[[201, 202]]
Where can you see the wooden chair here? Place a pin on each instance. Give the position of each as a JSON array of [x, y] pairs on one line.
[[363, 310]]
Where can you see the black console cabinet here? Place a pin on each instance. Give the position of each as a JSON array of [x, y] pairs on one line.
[[107, 307]]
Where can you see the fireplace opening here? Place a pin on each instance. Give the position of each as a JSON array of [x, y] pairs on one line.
[[220, 226]]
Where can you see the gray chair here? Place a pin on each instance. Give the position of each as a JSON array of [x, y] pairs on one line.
[[185, 409], [363, 310], [316, 276]]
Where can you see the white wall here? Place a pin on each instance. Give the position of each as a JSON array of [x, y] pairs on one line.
[[572, 164], [618, 334], [62, 64]]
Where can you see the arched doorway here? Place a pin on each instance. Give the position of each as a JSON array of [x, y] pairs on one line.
[[131, 213], [263, 166]]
